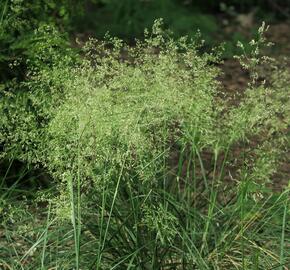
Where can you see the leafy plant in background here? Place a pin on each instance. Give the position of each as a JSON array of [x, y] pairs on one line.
[[153, 169], [19, 20]]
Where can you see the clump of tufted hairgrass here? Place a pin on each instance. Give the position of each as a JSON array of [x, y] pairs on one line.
[[154, 170]]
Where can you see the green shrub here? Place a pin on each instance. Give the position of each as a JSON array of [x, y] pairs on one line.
[[154, 170], [18, 21]]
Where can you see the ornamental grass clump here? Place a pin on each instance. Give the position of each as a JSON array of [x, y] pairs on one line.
[[154, 170]]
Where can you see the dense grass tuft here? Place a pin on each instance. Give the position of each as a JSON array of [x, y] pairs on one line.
[[151, 167]]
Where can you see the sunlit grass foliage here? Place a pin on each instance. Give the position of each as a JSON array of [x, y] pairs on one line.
[[152, 167]]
